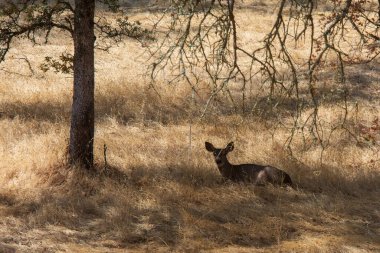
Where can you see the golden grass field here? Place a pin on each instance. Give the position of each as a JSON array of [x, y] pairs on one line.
[[157, 194]]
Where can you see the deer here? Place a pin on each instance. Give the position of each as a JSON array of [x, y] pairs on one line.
[[259, 175]]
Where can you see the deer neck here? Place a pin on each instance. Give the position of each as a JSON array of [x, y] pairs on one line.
[[225, 167]]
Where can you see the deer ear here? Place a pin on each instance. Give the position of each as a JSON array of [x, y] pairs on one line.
[[230, 146], [209, 146]]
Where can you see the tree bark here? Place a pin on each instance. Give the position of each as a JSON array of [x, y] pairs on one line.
[[82, 116]]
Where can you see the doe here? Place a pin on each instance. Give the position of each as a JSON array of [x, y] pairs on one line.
[[254, 173]]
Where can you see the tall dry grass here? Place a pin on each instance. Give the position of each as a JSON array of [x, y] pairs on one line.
[[158, 194]]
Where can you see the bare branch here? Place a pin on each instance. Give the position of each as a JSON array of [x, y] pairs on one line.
[[202, 41]]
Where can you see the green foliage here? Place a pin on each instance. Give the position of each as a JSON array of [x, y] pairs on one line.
[[32, 18], [134, 29], [63, 65]]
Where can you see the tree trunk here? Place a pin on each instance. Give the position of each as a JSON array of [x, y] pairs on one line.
[[82, 117]]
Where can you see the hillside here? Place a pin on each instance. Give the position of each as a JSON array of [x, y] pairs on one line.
[[160, 193]]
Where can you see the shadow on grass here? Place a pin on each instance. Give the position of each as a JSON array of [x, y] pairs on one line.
[[178, 206], [134, 104], [123, 105], [40, 111]]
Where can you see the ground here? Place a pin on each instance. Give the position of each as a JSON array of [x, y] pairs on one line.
[[158, 193]]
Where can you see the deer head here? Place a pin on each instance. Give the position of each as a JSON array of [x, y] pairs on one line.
[[220, 155]]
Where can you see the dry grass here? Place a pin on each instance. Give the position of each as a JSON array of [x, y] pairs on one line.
[[156, 195]]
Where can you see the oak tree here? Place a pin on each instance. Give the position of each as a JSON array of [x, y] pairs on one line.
[[31, 18]]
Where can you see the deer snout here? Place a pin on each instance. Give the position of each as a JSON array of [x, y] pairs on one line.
[[218, 160]]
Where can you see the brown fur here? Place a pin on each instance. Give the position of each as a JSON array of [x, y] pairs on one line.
[[254, 173]]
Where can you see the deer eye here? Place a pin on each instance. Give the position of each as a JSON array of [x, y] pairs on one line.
[[215, 153]]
